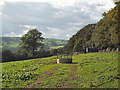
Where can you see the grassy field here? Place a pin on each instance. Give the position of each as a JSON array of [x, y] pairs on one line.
[[92, 70], [56, 47]]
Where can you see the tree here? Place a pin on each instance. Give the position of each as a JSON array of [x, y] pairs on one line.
[[7, 56], [43, 53], [78, 46], [31, 42], [53, 51], [104, 14], [116, 2]]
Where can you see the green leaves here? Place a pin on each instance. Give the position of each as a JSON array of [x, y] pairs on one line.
[[31, 42]]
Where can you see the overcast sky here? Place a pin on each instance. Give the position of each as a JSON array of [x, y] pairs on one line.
[[54, 18]]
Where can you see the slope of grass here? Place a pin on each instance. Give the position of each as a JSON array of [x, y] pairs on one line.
[[92, 70], [56, 47]]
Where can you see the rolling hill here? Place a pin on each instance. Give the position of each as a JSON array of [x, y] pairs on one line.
[[12, 43]]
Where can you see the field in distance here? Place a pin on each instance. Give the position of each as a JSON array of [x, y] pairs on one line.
[[92, 70], [12, 43]]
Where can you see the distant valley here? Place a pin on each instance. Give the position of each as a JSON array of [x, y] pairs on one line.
[[12, 43]]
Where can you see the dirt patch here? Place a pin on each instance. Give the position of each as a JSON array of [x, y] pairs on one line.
[[44, 76], [72, 76], [66, 84]]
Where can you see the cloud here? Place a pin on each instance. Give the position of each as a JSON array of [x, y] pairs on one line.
[[13, 34], [116, 0], [28, 27], [2, 3], [55, 19]]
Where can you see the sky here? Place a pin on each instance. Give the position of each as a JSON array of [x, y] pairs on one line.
[[59, 19]]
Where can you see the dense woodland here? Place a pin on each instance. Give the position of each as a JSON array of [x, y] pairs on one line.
[[102, 35]]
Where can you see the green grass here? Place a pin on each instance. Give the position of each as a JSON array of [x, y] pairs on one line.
[[56, 47], [92, 70], [14, 45]]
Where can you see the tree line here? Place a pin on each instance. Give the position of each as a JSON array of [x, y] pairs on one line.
[[31, 46]]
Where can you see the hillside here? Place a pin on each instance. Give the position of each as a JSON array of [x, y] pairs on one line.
[[12, 43], [92, 70], [103, 34], [81, 39]]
